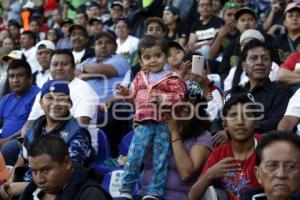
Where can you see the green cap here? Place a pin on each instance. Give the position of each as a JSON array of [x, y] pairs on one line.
[[230, 5]]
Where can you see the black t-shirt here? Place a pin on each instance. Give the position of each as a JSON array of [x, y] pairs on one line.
[[198, 27], [286, 46], [226, 41], [180, 33], [230, 57]]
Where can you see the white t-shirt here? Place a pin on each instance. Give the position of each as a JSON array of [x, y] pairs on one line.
[[42, 78], [78, 56], [128, 47], [84, 100], [30, 55], [293, 108], [244, 78]]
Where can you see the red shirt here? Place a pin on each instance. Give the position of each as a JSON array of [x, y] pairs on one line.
[[235, 182], [291, 61]]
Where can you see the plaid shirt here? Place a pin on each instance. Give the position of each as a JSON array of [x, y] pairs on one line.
[[148, 99]]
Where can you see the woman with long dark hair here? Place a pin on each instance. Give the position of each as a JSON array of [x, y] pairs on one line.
[[191, 146], [174, 31]]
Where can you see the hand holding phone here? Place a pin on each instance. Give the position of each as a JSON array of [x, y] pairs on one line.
[[198, 64]]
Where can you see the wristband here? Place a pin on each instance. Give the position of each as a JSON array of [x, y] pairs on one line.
[[175, 140]]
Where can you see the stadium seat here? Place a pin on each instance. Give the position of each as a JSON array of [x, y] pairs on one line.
[[125, 143]]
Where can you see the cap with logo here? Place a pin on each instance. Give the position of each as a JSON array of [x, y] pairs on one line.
[[59, 86], [238, 95]]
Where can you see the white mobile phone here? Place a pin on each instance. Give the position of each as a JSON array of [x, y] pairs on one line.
[[198, 64]]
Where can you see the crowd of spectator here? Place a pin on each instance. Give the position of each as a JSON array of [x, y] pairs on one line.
[[74, 70]]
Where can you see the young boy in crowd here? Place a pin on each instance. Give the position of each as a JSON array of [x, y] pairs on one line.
[[151, 90], [232, 164], [181, 64], [176, 55]]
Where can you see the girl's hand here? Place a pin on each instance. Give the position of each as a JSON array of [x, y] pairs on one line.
[[185, 68], [123, 91], [174, 125], [221, 168]]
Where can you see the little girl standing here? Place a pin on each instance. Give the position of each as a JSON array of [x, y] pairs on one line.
[[152, 89]]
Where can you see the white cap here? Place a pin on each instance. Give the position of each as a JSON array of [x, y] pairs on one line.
[[252, 33], [45, 44], [13, 55], [29, 5]]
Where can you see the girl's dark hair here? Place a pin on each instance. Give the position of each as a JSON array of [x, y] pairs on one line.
[[149, 41], [178, 26], [200, 122]]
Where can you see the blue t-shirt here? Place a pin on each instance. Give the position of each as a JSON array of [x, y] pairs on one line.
[[105, 87], [15, 111]]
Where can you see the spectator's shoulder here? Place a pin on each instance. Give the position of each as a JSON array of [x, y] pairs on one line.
[[218, 20]]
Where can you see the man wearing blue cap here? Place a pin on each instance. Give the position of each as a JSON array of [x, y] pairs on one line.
[[56, 103], [57, 121]]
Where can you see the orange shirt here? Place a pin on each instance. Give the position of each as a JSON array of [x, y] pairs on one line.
[[4, 173]]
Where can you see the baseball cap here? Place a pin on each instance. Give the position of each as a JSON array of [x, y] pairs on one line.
[[117, 3], [4, 51], [252, 33], [60, 86], [45, 44], [93, 19], [93, 4], [244, 10], [77, 26], [231, 5], [237, 95], [290, 6], [66, 21], [173, 10], [13, 55], [28, 5], [111, 35]]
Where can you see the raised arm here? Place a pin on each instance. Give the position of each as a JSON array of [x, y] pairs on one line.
[[188, 163], [218, 170]]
